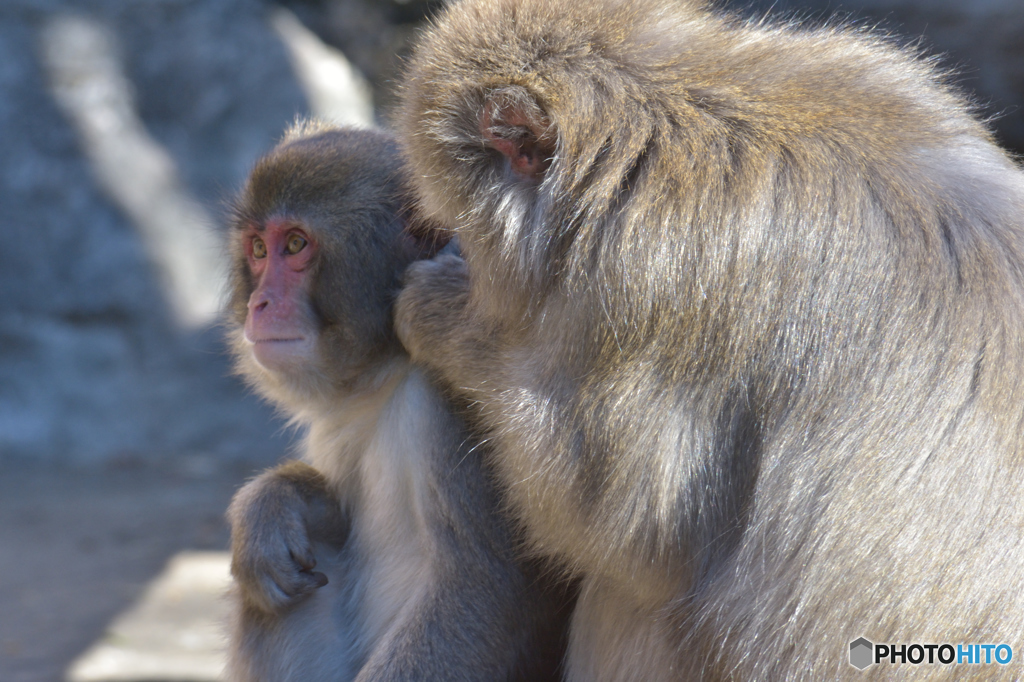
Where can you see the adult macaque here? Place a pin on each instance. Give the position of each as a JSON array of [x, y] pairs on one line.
[[741, 311], [384, 556]]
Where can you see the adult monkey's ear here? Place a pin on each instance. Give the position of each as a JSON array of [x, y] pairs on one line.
[[514, 124]]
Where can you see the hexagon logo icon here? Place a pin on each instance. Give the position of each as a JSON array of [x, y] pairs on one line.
[[860, 653]]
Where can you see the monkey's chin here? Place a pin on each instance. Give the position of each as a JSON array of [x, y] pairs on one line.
[[282, 355]]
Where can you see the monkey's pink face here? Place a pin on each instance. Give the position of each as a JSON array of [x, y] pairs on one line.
[[280, 325]]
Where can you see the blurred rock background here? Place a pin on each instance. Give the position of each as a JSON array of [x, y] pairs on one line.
[[124, 126]]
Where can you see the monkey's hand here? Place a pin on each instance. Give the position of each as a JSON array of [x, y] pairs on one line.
[[271, 522], [431, 307]]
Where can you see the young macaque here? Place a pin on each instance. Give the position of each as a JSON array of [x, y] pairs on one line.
[[742, 317], [383, 555]]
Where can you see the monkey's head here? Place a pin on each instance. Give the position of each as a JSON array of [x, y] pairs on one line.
[[318, 245], [562, 140], [521, 127]]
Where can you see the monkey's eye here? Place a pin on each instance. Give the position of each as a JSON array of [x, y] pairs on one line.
[[295, 244], [259, 248]]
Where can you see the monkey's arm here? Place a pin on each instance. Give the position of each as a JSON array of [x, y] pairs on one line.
[[434, 322], [274, 520], [482, 613]]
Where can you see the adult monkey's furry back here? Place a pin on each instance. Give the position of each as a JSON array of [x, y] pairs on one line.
[[741, 310]]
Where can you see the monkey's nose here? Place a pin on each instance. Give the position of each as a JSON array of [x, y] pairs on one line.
[[258, 304]]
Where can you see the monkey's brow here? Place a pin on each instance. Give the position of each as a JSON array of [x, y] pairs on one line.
[[248, 221], [254, 224], [286, 220]]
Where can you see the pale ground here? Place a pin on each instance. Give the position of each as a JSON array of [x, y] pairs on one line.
[[92, 569]]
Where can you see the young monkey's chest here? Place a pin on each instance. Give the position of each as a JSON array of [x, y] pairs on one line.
[[390, 531], [387, 503]]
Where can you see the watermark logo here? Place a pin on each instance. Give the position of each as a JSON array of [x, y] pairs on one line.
[[864, 653], [861, 653]]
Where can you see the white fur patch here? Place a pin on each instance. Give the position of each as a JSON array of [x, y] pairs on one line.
[[375, 450], [390, 521]]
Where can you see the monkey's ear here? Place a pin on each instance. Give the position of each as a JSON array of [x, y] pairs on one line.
[[513, 123]]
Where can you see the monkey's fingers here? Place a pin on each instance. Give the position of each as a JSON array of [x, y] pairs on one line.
[[301, 552], [296, 583], [299, 584], [274, 592], [430, 288], [448, 263], [320, 579], [276, 576], [264, 592]]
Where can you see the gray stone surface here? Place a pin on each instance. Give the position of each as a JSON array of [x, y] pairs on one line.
[[122, 433], [94, 362], [213, 82], [177, 630], [78, 547], [373, 34], [123, 126]]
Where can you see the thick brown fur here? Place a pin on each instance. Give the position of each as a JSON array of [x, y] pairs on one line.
[[384, 555], [742, 312]]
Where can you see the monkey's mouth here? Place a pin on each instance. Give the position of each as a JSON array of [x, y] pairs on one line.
[[256, 337], [281, 353]]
